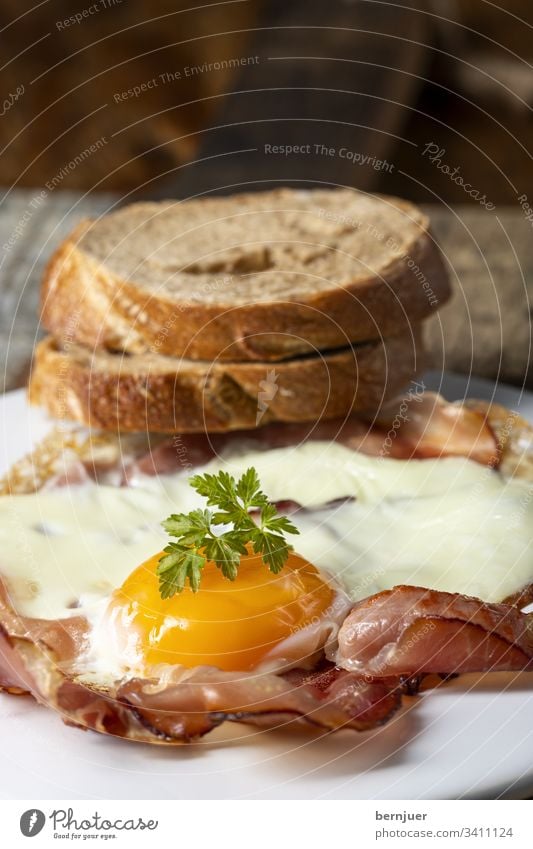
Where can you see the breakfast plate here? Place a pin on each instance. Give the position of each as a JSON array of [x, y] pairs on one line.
[[470, 738]]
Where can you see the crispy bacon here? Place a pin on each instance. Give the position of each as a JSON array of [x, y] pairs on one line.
[[410, 631]]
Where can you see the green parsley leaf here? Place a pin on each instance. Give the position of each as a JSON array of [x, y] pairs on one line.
[[249, 490], [179, 565], [190, 527], [226, 552], [273, 547], [197, 542]]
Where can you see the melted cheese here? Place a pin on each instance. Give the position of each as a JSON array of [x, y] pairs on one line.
[[448, 524]]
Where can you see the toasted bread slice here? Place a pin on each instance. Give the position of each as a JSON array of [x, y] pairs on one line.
[[264, 276], [150, 392]]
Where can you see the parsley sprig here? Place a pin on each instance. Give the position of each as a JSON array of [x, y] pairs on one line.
[[197, 542]]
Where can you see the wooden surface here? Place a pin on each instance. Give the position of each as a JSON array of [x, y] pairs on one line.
[[484, 330], [422, 79]]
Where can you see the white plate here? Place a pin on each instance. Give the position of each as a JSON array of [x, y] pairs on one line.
[[472, 738]]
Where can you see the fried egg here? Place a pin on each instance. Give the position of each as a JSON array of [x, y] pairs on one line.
[[91, 550], [233, 625]]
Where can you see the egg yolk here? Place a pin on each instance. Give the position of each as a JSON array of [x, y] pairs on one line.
[[229, 624]]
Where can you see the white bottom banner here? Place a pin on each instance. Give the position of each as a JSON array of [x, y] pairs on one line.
[[232, 824]]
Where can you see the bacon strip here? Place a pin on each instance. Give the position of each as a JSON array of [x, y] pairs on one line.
[[410, 631], [419, 425], [40, 657], [432, 427], [192, 702], [186, 704], [394, 637], [423, 426]]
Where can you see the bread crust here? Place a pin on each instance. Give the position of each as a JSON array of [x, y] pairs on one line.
[[167, 395], [84, 301]]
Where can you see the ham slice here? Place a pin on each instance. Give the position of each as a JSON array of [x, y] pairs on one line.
[[428, 427], [411, 631], [188, 703], [176, 705], [182, 704], [387, 644]]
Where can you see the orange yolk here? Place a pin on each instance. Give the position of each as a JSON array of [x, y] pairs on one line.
[[229, 624]]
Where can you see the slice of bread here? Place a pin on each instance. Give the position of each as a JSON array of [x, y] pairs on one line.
[[151, 392], [263, 276]]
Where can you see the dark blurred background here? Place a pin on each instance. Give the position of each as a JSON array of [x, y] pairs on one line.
[[106, 101], [383, 79]]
